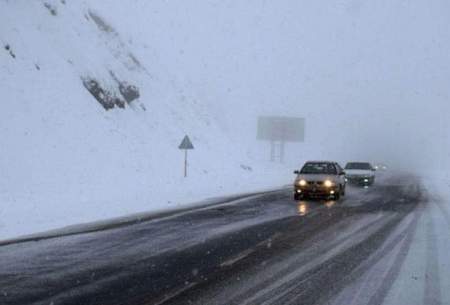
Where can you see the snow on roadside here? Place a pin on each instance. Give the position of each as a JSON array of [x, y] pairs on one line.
[[17, 220], [425, 274]]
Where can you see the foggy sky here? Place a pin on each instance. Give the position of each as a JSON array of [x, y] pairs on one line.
[[371, 78]]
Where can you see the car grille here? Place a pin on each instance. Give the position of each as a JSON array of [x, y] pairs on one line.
[[358, 177], [353, 176], [315, 182]]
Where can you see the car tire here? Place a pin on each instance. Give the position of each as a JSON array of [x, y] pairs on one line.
[[337, 195], [297, 197]]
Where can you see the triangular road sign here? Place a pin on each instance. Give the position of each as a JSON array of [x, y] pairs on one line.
[[186, 143]]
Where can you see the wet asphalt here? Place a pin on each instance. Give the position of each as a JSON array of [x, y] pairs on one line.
[[264, 249]]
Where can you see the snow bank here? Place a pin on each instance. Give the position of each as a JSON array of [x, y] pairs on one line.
[[425, 274]]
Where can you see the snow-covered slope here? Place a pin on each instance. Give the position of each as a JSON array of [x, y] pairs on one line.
[[67, 158]]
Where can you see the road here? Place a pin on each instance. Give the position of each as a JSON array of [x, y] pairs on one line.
[[262, 249]]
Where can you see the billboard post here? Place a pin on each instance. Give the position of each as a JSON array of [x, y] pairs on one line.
[[279, 130]]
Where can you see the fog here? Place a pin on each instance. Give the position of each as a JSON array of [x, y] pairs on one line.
[[371, 78]]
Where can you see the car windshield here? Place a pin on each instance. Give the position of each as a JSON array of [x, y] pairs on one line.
[[318, 168], [358, 165]]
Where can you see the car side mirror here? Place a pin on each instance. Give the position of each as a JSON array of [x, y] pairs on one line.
[[297, 172], [342, 173]]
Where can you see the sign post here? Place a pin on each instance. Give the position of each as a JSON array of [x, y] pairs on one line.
[[185, 145]]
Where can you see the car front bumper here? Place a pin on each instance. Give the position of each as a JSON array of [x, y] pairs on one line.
[[318, 191], [360, 180]]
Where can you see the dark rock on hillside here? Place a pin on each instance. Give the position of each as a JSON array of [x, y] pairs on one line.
[[105, 97], [10, 51], [51, 8], [129, 92], [101, 24]]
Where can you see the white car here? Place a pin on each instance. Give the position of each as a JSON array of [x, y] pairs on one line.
[[360, 173]]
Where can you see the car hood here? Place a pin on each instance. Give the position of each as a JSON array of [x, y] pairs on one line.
[[316, 177], [359, 172]]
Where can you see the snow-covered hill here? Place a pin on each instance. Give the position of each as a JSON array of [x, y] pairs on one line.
[[91, 121]]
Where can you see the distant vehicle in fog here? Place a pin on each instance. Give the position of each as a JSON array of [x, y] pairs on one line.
[[360, 173], [320, 179], [380, 167]]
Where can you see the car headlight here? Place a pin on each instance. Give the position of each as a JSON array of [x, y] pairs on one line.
[[328, 183], [302, 182]]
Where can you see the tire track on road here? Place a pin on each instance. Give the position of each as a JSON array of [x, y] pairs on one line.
[[432, 293], [379, 296], [295, 284]]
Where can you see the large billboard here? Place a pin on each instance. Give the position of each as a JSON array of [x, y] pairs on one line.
[[281, 128]]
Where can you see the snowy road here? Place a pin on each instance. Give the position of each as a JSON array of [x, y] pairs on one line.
[[266, 249]]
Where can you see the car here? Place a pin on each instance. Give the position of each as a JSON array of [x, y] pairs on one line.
[[360, 173], [380, 167], [316, 179]]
